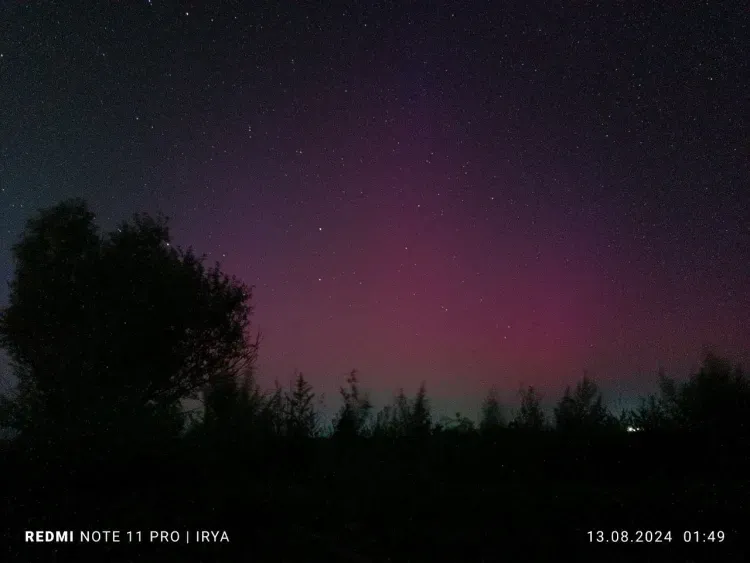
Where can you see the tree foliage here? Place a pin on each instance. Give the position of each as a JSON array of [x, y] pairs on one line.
[[714, 400], [405, 417], [583, 409], [102, 330], [491, 418], [382, 426], [234, 406], [301, 417], [353, 416], [420, 422], [530, 416]]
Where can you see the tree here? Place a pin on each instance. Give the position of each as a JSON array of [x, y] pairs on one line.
[[491, 417], [405, 418], [383, 425], [106, 332], [583, 410], [353, 416], [233, 406], [530, 416], [274, 413], [301, 416], [420, 420], [400, 415], [715, 400], [656, 412]]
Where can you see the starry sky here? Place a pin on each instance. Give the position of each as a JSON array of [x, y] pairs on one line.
[[469, 194]]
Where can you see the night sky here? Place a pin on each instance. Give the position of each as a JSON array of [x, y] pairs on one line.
[[468, 193]]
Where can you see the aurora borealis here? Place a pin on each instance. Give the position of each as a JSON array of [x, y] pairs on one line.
[[464, 194]]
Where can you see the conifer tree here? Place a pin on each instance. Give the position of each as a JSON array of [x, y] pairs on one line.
[[353, 416], [301, 415], [530, 416], [492, 417]]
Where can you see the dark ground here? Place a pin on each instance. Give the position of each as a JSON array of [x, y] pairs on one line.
[[511, 498]]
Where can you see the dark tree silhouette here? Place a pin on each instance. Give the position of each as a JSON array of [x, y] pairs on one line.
[[274, 414], [656, 412], [233, 407], [714, 400], [491, 418], [402, 414], [583, 410], [351, 420], [383, 425], [301, 416], [110, 333], [405, 418], [420, 422], [530, 416]]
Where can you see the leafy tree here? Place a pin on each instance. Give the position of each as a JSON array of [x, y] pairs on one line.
[[492, 417], [583, 410], [106, 329], [221, 400], [656, 412], [716, 399], [530, 416], [353, 416], [233, 406]]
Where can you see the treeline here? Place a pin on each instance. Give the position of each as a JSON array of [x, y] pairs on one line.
[[714, 400], [111, 334]]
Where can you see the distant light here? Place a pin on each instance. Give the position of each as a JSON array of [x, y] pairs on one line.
[[634, 429]]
